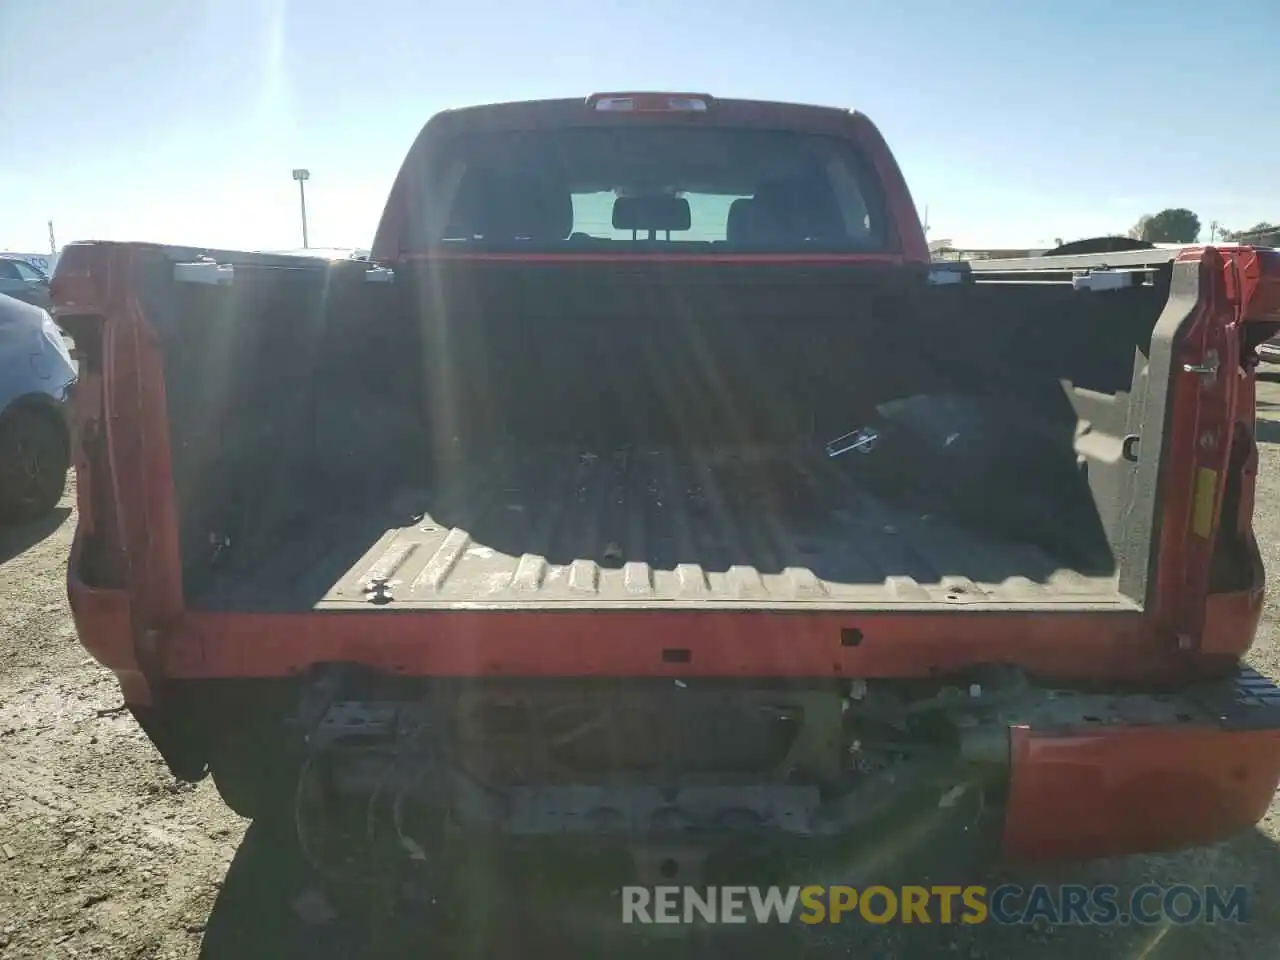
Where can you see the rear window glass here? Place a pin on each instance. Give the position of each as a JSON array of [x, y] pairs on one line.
[[658, 187]]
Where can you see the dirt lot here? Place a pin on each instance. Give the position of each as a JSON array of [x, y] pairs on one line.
[[103, 855]]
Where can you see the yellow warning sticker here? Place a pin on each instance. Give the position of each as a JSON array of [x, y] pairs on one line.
[[1202, 510]]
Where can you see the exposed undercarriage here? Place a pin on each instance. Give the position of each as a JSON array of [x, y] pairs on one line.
[[687, 781]]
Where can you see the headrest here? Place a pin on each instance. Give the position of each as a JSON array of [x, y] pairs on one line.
[[798, 208], [651, 213], [510, 208], [739, 228]]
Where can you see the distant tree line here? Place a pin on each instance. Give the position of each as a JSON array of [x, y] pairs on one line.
[[1263, 234], [1174, 225], [1180, 225]]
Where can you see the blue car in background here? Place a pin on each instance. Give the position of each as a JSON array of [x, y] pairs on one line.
[[37, 376]]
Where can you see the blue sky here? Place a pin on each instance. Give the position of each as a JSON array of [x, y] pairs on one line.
[[1015, 122]]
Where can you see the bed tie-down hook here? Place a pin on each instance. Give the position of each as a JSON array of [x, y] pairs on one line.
[[378, 591]]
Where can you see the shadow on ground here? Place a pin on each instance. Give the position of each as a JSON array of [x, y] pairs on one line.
[[17, 538], [271, 907]]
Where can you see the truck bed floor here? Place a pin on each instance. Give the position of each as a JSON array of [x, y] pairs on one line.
[[565, 528]]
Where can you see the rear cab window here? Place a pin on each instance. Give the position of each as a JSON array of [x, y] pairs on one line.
[[680, 188]]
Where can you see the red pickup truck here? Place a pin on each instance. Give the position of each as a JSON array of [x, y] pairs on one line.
[[649, 493]]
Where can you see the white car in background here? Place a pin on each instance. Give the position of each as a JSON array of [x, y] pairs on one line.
[[37, 375], [22, 280]]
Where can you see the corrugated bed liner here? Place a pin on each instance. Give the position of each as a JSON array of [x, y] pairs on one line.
[[563, 528]]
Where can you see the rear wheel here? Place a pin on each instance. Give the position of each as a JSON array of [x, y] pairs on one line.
[[34, 459]]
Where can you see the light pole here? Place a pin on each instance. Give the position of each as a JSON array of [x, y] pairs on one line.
[[302, 176]]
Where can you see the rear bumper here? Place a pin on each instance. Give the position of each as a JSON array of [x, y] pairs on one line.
[[1135, 789]]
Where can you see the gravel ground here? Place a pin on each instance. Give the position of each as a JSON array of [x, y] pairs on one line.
[[103, 854]]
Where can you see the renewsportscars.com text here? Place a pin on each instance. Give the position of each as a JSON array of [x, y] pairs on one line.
[[1067, 904]]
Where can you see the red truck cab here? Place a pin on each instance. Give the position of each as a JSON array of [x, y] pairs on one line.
[[650, 489]]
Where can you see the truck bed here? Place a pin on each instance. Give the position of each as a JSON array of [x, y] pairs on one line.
[[565, 527]]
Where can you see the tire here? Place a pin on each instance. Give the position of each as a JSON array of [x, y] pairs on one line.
[[253, 788], [34, 459], [254, 773]]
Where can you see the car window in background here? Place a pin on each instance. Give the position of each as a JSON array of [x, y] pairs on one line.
[[9, 270], [26, 271], [770, 190]]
